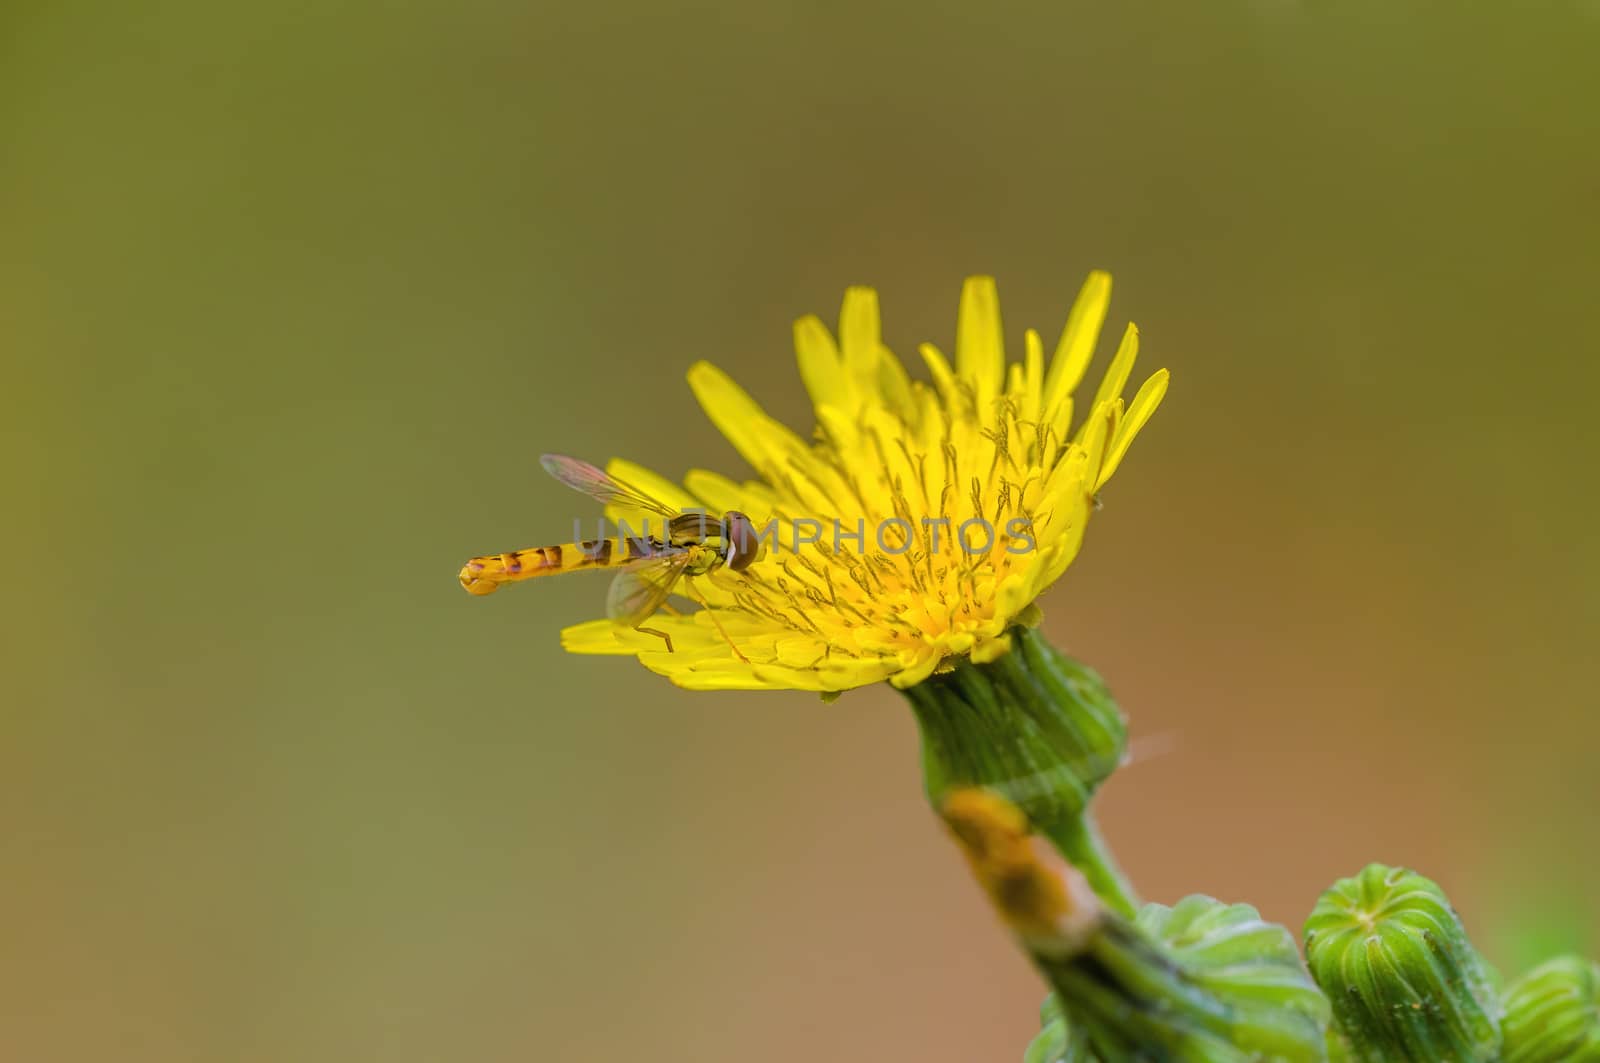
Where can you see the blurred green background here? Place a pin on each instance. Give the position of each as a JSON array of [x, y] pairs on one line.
[[292, 295]]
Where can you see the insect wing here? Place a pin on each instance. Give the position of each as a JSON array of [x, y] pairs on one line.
[[601, 485], [638, 592]]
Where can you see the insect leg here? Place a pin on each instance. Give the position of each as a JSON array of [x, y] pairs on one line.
[[662, 634]]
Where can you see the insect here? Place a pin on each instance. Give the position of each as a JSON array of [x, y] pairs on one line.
[[650, 566]]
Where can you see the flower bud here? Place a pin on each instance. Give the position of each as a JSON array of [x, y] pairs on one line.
[[1553, 1014], [1404, 981]]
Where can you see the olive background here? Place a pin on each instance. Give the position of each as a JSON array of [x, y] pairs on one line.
[[292, 296]]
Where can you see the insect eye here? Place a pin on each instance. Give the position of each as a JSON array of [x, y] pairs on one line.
[[744, 545]]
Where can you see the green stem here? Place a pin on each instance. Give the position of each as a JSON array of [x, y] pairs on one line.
[[1078, 840]]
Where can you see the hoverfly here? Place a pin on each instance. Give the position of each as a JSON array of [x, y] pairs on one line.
[[650, 566]]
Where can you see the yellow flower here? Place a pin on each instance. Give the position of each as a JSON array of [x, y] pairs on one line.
[[969, 496]]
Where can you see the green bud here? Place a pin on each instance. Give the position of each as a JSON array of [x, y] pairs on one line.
[[1035, 727], [1553, 1014], [1200, 982], [1404, 981]]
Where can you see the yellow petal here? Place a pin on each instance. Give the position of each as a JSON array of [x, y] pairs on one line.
[[801, 651], [991, 649], [980, 341], [1151, 392], [895, 386], [1116, 377], [820, 370], [859, 338], [730, 679], [841, 427], [689, 639], [919, 669], [760, 440], [733, 674], [1077, 342], [719, 492], [593, 636], [1033, 377], [1097, 433], [1058, 427], [943, 378]]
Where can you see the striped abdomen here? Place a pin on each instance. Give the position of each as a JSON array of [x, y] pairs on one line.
[[483, 575]]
